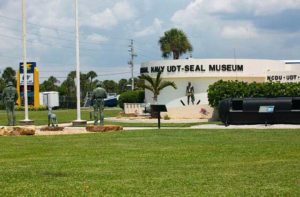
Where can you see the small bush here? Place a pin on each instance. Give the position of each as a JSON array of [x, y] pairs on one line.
[[31, 108], [137, 96], [166, 117]]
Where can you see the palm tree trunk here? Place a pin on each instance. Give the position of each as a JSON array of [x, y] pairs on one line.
[[155, 99]]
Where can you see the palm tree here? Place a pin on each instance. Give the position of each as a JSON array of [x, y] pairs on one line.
[[49, 85], [174, 42], [155, 85], [91, 75]]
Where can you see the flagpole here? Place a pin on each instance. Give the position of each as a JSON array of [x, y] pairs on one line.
[[26, 121], [78, 121]]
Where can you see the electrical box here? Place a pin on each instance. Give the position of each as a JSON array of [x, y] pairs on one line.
[[50, 99]]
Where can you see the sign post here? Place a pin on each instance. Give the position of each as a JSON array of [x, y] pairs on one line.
[[156, 109]]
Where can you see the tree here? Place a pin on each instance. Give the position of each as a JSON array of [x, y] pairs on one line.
[[122, 85], [174, 42], [84, 85], [156, 85], [91, 75], [2, 85], [49, 85], [68, 86], [9, 74], [110, 86]]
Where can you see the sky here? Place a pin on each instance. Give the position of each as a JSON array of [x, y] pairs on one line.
[[268, 29]]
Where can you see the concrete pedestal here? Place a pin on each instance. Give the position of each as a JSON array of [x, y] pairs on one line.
[[79, 123], [26, 122]]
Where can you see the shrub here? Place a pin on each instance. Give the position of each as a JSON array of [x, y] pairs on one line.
[[166, 117], [137, 96], [31, 108], [238, 89]]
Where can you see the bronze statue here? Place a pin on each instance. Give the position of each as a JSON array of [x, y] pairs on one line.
[[190, 93], [52, 120], [9, 97], [98, 96]]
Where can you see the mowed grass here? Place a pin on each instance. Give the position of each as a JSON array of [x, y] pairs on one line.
[[63, 115], [68, 115], [153, 163]]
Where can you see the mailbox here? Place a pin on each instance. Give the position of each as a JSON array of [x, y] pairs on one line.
[[278, 110]]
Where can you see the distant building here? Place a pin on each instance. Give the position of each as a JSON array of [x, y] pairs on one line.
[[203, 72]]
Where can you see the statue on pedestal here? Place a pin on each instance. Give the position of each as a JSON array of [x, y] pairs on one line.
[[98, 96], [190, 93], [9, 97], [52, 120]]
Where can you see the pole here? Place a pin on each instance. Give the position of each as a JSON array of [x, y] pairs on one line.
[[77, 62], [24, 59], [78, 121], [132, 57], [158, 119], [131, 62]]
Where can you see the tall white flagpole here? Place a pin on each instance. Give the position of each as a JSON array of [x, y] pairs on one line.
[[26, 120], [78, 121]]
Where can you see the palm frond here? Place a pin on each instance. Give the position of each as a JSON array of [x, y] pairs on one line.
[[148, 79], [165, 84]]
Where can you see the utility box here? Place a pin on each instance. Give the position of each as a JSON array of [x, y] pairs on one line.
[[50, 99]]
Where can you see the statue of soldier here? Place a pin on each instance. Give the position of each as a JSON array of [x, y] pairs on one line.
[[190, 93], [9, 97], [98, 96]]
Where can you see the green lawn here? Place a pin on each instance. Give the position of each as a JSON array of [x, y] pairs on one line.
[[63, 116], [68, 115], [153, 163]]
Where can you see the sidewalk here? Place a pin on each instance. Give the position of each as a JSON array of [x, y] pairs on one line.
[[69, 129]]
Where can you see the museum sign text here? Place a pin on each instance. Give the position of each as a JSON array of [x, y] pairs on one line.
[[194, 68]]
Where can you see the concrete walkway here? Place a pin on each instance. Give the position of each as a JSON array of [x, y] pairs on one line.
[[148, 120], [79, 130], [257, 126]]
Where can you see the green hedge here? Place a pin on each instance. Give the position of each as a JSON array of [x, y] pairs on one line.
[[137, 96], [239, 89]]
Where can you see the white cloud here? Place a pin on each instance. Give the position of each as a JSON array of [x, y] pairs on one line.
[[189, 15], [110, 17], [199, 10], [105, 19], [97, 38], [123, 11], [239, 31], [155, 27], [268, 7]]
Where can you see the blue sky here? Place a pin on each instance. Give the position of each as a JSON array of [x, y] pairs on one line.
[[268, 29]]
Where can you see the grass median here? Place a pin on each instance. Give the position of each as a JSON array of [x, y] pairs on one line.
[[153, 163], [63, 115], [68, 115]]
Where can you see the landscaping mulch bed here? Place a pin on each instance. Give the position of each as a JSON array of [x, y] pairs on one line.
[[105, 128], [16, 130], [52, 129]]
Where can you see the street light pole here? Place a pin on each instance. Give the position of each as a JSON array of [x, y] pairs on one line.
[[78, 121], [131, 62]]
